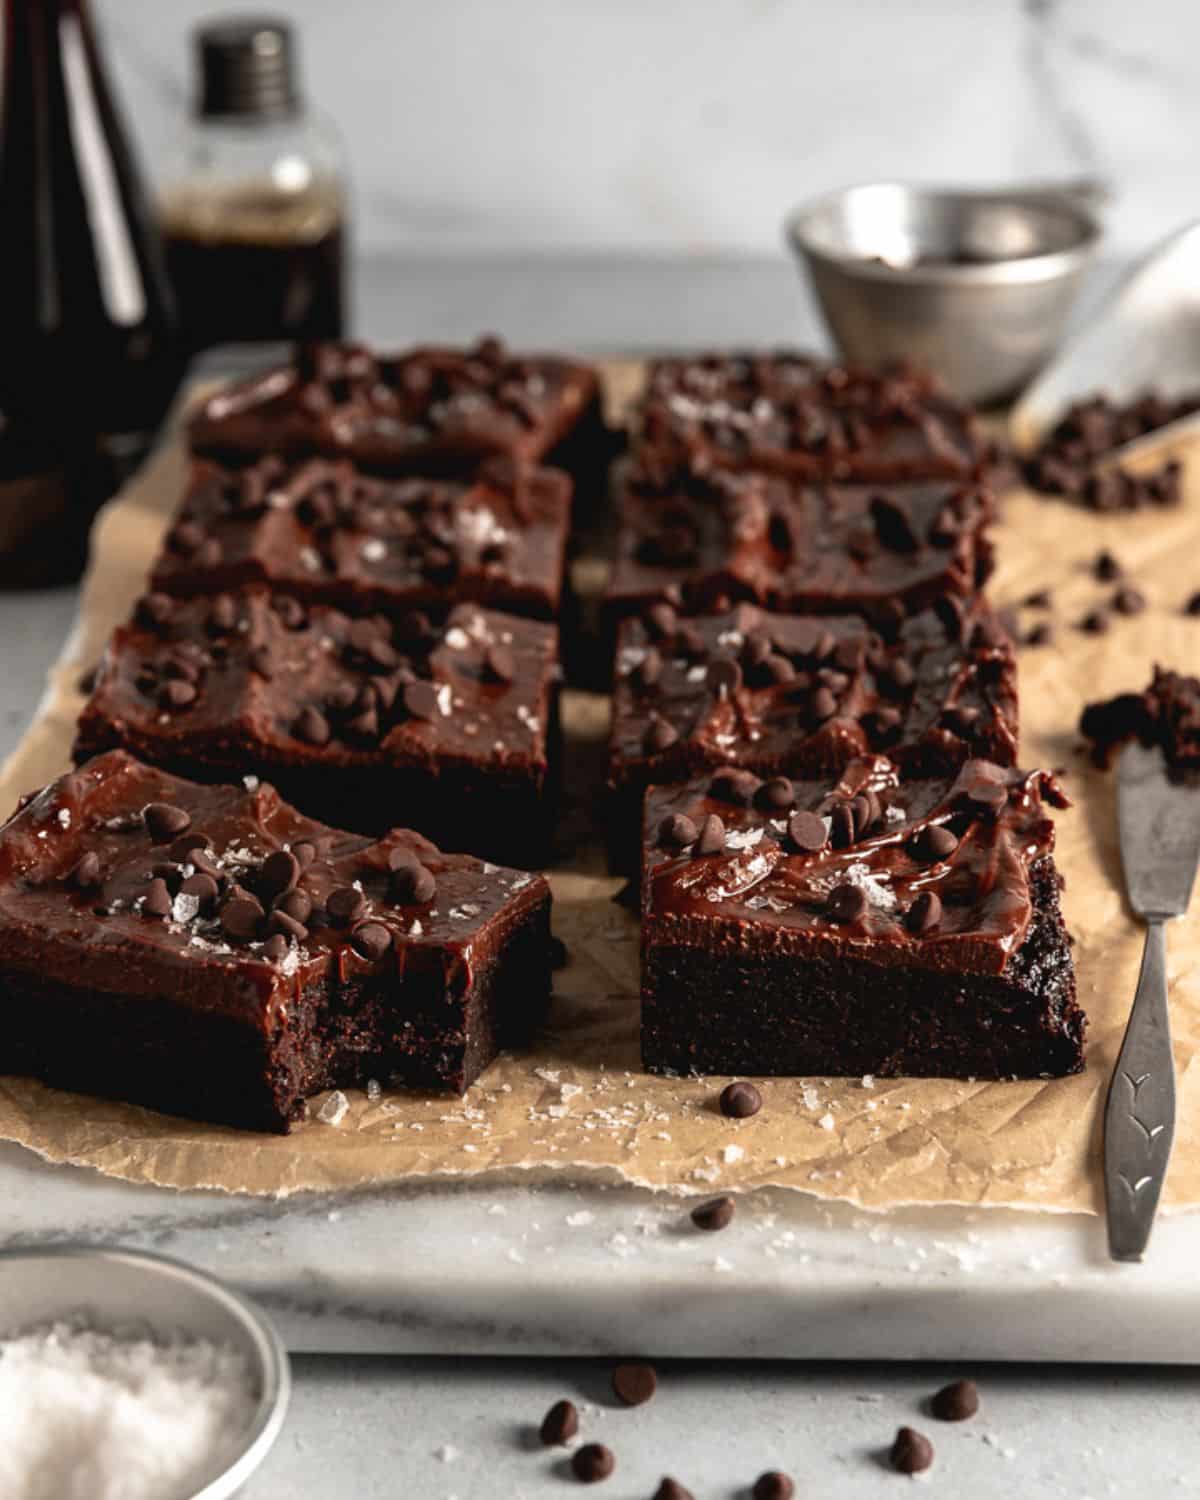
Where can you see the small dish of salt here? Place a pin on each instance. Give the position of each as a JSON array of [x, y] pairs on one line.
[[127, 1376]]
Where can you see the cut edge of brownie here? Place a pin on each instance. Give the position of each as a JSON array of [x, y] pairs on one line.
[[764, 1015]]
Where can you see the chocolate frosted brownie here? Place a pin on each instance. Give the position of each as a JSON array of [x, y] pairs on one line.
[[210, 952], [424, 411], [803, 695], [799, 547], [790, 413], [870, 923], [445, 728], [1166, 714], [326, 532]]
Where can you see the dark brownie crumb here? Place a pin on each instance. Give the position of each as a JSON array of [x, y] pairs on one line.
[[773, 1485], [717, 1213], [1166, 714], [955, 1402], [911, 1452], [1065, 462], [592, 1462], [740, 1100], [634, 1384], [560, 1424]]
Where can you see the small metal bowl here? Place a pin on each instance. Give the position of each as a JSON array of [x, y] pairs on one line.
[[115, 1289], [975, 285]]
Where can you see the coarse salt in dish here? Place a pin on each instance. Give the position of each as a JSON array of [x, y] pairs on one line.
[[90, 1415]]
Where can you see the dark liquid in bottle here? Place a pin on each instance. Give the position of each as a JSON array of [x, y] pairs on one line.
[[256, 267], [89, 358]]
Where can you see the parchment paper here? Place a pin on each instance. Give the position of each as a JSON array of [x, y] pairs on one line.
[[580, 1105]]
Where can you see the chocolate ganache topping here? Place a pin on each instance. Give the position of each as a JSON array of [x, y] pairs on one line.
[[326, 532], [932, 872], [796, 692], [791, 413], [241, 898], [423, 411]]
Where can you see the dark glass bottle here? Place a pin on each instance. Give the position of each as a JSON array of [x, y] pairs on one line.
[[89, 354], [254, 211]]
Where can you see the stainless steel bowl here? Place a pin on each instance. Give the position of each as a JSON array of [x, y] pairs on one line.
[[976, 285], [124, 1288]]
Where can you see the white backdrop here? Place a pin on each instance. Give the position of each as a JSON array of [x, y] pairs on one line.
[[691, 125]]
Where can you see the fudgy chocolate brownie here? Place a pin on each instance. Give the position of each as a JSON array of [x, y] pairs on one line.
[[1166, 714], [360, 722], [210, 952], [800, 695], [424, 411], [326, 532], [789, 413], [872, 923], [796, 547]]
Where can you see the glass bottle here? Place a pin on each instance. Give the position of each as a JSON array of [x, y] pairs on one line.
[[254, 214], [89, 357]]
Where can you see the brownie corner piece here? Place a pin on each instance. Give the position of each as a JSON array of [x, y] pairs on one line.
[[209, 952], [878, 924]]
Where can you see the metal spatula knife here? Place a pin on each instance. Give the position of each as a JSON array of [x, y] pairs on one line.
[[1159, 823]]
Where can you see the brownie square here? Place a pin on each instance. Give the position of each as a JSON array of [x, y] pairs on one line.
[[801, 695], [876, 924], [423, 411], [790, 413], [210, 952], [840, 548], [328, 533], [360, 722]]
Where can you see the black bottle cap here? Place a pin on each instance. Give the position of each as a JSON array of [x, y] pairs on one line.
[[246, 68]]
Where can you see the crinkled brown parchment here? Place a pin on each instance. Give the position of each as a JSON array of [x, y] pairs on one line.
[[580, 1104]]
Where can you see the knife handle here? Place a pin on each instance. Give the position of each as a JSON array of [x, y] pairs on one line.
[[1139, 1118]]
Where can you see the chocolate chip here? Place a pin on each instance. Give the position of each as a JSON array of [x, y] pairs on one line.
[[823, 705], [912, 1452], [592, 1462], [733, 785], [498, 664], [240, 918], [222, 615], [634, 1384], [711, 838], [661, 620], [1095, 622], [739, 1101], [717, 1213], [204, 887], [280, 922], [157, 901], [1106, 567], [985, 793], [86, 874], [671, 1489], [412, 884], [154, 611], [724, 676], [777, 794], [164, 820], [305, 853], [1039, 599], [372, 940], [1129, 601], [560, 1424], [847, 903], [676, 831], [280, 872], [925, 913], [176, 694], [841, 825], [345, 904], [659, 736], [893, 524], [807, 832], [778, 669], [1041, 634], [275, 948], [955, 1402], [773, 1485], [1192, 607], [420, 699], [312, 727], [934, 843], [260, 662]]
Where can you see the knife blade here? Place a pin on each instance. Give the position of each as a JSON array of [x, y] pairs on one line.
[[1158, 819]]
